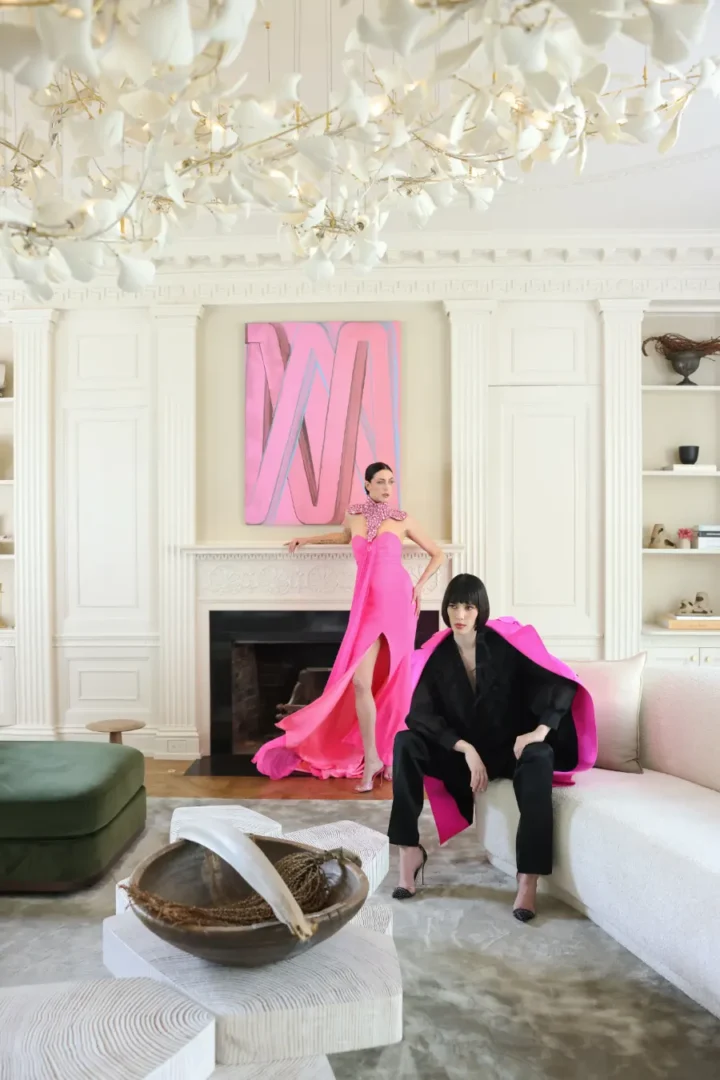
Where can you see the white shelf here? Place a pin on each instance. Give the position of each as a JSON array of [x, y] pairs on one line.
[[6, 483], [682, 475], [661, 388], [677, 551], [650, 630], [6, 401]]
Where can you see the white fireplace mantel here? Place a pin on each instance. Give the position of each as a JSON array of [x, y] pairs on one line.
[[264, 576], [316, 576]]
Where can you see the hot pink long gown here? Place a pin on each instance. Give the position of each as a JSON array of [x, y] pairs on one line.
[[324, 738]]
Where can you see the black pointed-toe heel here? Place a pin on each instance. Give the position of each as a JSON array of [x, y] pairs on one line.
[[402, 893], [523, 914]]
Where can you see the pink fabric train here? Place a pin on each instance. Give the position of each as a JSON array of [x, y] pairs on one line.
[[526, 640]]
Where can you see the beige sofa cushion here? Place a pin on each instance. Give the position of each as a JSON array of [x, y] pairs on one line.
[[680, 723], [616, 688]]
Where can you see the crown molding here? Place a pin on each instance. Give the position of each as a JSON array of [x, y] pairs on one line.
[[452, 268]]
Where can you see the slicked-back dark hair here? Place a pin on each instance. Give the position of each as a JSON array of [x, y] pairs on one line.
[[467, 589], [372, 471]]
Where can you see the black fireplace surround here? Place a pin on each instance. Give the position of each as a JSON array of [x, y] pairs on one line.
[[256, 658]]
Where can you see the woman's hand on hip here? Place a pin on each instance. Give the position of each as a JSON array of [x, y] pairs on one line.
[[478, 772]]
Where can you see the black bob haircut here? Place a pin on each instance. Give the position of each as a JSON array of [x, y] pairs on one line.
[[467, 589]]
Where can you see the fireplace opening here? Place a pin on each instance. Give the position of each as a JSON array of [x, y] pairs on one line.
[[267, 664]]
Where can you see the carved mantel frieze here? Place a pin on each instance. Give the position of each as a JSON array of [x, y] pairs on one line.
[[267, 576]]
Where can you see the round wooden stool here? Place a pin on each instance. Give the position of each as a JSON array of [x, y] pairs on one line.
[[115, 728]]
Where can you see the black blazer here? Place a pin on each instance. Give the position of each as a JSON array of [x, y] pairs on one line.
[[512, 697]]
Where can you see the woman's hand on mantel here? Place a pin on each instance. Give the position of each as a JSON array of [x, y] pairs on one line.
[[291, 545]]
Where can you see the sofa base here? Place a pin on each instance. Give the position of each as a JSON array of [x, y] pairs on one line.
[[62, 865]]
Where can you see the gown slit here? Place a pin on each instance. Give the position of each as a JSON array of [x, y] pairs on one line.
[[324, 738]]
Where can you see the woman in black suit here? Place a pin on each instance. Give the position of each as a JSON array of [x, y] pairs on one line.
[[482, 710]]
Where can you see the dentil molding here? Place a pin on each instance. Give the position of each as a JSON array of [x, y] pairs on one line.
[[419, 267]]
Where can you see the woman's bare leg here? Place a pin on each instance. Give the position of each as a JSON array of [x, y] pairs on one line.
[[366, 711]]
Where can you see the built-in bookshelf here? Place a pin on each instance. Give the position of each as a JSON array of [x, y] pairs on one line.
[[674, 416]]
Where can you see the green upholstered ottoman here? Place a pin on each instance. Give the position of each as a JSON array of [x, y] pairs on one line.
[[68, 810]]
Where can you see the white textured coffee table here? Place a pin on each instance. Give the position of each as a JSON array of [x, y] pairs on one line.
[[345, 994], [109, 1029], [298, 1069], [280, 1022]]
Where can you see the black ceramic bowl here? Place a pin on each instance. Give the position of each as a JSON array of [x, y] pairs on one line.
[[688, 454]]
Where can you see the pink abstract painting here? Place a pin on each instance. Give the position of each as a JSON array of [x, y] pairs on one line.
[[322, 402]]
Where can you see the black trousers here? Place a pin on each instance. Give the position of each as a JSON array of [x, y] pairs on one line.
[[415, 757]]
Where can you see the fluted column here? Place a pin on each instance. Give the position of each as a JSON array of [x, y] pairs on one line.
[[33, 334], [622, 380], [470, 337], [176, 366]]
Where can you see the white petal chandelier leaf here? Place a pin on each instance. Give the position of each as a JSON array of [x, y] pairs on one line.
[[138, 122]]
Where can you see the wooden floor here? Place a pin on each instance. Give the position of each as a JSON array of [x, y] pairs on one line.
[[165, 779]]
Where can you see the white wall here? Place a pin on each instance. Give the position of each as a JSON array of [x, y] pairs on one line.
[[542, 490], [105, 497], [514, 374]]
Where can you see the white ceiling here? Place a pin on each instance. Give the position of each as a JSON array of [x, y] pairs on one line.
[[623, 187]]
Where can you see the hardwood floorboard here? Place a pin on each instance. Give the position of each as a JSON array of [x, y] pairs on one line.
[[166, 779]]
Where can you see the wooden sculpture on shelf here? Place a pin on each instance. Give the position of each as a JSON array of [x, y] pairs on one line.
[[700, 606], [660, 539], [693, 616]]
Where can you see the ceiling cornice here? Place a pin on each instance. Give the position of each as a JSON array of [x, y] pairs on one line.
[[424, 266]]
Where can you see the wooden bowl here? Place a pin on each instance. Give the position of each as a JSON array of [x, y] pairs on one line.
[[186, 873]]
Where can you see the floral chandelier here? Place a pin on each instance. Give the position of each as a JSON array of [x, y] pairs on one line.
[[139, 123]]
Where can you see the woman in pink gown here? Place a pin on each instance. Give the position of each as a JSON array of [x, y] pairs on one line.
[[350, 729]]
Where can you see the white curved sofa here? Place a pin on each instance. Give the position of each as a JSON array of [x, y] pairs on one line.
[[639, 854]]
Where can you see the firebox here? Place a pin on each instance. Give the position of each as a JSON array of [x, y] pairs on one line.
[[266, 664]]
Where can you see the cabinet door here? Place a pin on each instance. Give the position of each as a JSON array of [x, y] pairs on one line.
[[542, 343], [674, 656], [710, 657], [544, 548]]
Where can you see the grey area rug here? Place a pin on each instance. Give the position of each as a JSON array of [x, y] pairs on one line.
[[485, 997]]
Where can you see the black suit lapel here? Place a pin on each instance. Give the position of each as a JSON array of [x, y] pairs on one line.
[[483, 666], [459, 683], [451, 686]]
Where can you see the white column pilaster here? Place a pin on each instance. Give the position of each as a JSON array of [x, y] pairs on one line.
[[176, 366], [622, 381], [33, 339], [471, 327]]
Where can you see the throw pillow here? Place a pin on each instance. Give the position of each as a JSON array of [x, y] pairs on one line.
[[616, 689]]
